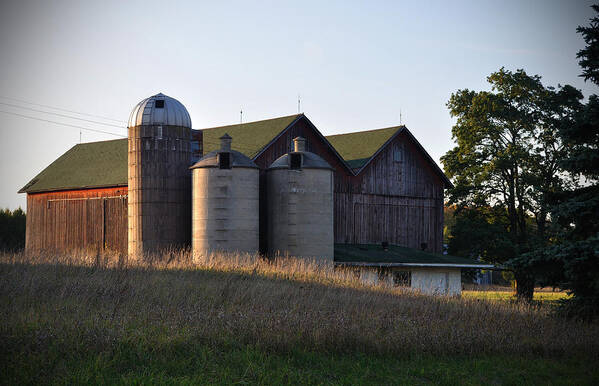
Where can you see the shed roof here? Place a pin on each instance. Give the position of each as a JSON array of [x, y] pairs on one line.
[[374, 255], [86, 165]]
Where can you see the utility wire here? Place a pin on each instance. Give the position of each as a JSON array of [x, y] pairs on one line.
[[106, 132], [63, 124], [62, 115], [61, 109]]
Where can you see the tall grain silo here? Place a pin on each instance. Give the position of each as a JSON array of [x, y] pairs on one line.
[[300, 205], [225, 202], [159, 196]]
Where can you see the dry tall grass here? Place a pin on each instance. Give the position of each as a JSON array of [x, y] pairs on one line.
[[288, 304]]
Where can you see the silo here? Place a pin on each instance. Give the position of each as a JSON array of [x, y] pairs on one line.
[[225, 202], [300, 205], [159, 191]]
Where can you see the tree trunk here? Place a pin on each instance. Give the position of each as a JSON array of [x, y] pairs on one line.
[[525, 286], [541, 223]]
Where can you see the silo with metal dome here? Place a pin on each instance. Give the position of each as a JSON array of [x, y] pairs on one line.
[[300, 205], [225, 202], [159, 180]]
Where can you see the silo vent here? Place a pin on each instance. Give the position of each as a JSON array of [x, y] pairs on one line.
[[299, 144], [225, 142], [224, 160], [159, 104], [295, 161]]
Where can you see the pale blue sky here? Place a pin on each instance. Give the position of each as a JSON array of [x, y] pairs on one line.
[[355, 64]]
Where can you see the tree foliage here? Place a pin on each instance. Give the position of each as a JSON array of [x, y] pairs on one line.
[[572, 261], [589, 56], [12, 229]]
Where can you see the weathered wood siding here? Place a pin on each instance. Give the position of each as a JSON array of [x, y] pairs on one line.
[[399, 200], [77, 219]]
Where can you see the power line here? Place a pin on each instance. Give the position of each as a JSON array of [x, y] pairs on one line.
[[62, 115], [63, 124], [61, 109]]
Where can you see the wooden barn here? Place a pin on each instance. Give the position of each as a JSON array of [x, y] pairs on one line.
[[388, 197]]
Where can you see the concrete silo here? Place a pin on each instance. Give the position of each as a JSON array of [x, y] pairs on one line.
[[159, 195], [225, 202], [300, 205]]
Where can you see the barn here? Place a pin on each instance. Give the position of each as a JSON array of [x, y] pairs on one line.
[[134, 195]]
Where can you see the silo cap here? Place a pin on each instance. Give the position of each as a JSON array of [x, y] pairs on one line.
[[159, 109], [309, 160]]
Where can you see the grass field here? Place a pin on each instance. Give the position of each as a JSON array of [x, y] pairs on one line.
[[237, 319]]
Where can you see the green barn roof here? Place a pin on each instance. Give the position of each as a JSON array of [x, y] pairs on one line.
[[374, 255], [357, 148], [100, 164], [86, 165], [248, 138]]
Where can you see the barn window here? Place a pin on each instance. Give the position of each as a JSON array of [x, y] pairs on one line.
[[402, 278], [397, 154], [159, 104], [159, 132], [224, 160], [295, 161]]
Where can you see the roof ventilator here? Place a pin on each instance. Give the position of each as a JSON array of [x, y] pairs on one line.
[[224, 157]]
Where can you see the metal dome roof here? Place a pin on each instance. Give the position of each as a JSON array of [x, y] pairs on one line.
[[307, 160], [159, 109], [238, 160]]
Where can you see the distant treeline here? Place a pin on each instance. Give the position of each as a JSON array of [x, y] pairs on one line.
[[12, 229]]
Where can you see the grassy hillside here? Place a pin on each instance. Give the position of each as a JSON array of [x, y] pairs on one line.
[[88, 318]]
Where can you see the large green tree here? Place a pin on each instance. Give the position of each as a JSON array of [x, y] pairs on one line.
[[508, 158], [572, 261]]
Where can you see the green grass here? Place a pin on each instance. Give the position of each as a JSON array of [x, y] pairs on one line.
[[90, 320], [143, 360]]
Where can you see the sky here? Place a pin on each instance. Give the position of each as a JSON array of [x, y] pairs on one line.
[[354, 65]]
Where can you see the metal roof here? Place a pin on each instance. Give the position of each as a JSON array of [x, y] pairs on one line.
[[150, 112], [373, 255]]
